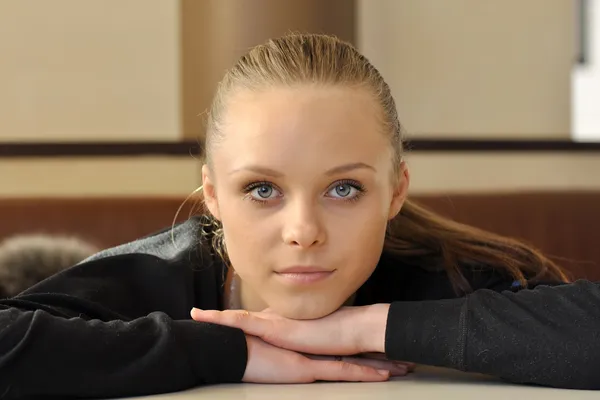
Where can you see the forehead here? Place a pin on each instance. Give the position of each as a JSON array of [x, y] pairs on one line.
[[305, 124]]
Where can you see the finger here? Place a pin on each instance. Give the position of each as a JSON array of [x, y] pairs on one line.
[[345, 371], [242, 319], [409, 365], [381, 356], [396, 369]]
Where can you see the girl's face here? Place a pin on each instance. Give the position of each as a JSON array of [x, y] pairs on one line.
[[302, 183]]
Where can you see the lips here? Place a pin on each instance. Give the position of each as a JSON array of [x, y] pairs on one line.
[[304, 274], [300, 269]]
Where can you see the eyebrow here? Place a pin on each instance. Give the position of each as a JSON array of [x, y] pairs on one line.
[[333, 171]]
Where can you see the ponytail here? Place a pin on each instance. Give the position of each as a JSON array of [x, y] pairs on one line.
[[423, 238]]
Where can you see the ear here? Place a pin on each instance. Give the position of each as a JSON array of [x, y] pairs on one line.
[[400, 191], [209, 191]]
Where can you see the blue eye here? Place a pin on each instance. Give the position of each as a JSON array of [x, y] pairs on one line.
[[346, 190], [264, 192], [261, 191], [342, 191]]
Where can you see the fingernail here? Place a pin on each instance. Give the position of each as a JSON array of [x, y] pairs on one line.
[[195, 311], [405, 365], [383, 372]]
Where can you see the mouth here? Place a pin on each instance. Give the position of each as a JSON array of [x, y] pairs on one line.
[[304, 274]]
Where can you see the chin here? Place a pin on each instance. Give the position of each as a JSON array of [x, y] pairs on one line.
[[305, 311]]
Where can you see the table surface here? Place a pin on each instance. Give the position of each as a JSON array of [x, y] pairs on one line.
[[424, 383]]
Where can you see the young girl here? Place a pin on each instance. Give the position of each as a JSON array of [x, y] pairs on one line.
[[310, 264]]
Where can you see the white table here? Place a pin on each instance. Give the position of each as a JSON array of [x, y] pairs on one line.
[[424, 383]]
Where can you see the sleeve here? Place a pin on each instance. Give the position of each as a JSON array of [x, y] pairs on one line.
[[46, 355], [114, 327], [548, 335]]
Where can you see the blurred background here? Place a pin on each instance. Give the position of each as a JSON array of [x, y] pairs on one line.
[[102, 102]]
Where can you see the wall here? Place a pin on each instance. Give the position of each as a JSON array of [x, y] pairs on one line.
[[586, 83], [503, 74], [89, 70], [98, 177], [458, 172], [480, 69], [127, 70], [215, 33], [474, 68]]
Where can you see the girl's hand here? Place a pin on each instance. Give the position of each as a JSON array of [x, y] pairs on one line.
[[270, 364], [410, 366], [348, 331]]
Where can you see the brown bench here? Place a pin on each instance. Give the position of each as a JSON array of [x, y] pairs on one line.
[[563, 224]]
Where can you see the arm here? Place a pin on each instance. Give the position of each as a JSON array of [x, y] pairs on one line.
[[547, 336], [118, 325], [43, 354]]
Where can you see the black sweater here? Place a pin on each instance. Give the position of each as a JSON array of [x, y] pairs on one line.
[[118, 324]]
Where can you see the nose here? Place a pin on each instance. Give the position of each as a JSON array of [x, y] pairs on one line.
[[303, 227]]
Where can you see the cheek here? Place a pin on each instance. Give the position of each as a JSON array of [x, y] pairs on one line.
[[366, 242], [237, 221], [247, 235], [361, 236]]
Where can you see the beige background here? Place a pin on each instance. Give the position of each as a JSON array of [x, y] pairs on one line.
[[430, 173], [89, 70], [98, 177], [138, 70], [503, 172], [474, 68]]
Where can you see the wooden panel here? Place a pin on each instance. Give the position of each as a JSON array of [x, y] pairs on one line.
[[197, 80], [216, 32], [561, 224]]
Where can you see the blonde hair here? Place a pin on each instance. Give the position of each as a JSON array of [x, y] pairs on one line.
[[418, 236]]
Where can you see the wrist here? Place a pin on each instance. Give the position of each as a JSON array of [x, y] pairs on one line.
[[373, 328]]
